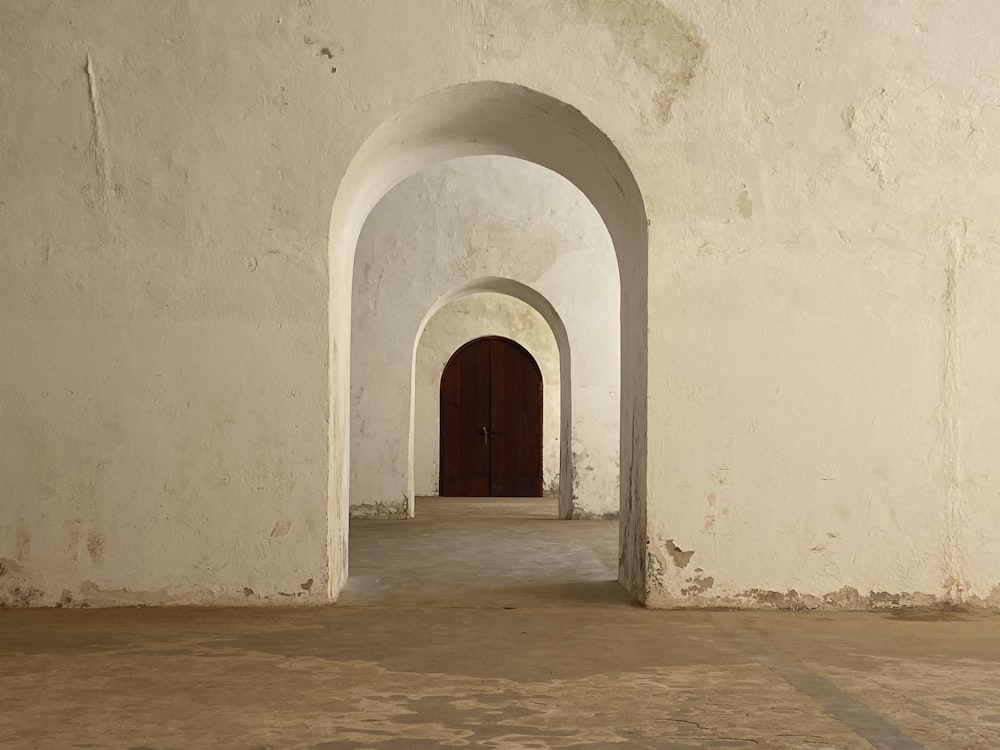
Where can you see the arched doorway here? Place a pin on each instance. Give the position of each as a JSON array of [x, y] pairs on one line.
[[491, 421], [492, 117]]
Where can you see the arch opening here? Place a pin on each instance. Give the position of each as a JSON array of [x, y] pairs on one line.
[[537, 302], [501, 119]]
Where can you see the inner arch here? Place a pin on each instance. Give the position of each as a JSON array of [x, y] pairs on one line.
[[538, 302]]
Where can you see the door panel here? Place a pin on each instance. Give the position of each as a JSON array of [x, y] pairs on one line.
[[465, 410], [491, 422], [516, 422]]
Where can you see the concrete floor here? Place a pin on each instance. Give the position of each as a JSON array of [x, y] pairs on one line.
[[487, 624]]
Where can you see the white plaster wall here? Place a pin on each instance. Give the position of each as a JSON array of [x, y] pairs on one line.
[[820, 181], [822, 323], [458, 322], [451, 224]]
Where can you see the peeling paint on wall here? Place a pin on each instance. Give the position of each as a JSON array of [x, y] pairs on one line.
[[698, 585], [679, 556], [867, 124], [379, 509], [15, 587], [701, 592]]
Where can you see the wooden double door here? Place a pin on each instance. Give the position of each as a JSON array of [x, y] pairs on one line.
[[491, 421]]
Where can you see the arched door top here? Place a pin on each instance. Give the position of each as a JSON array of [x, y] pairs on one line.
[[504, 339], [491, 421]]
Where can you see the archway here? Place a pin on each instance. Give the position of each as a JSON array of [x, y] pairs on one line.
[[540, 304], [504, 119]]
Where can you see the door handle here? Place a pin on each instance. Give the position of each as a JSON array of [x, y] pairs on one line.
[[486, 436]]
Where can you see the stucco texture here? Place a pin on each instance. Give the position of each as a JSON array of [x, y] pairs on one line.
[[814, 318]]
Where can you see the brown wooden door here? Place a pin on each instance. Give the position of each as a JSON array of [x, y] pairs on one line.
[[491, 422]]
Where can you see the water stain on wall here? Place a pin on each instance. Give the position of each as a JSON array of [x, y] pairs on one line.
[[744, 203], [95, 546], [22, 538], [657, 38]]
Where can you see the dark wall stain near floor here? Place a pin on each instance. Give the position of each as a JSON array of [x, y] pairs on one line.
[[585, 515], [95, 546], [15, 588], [22, 542]]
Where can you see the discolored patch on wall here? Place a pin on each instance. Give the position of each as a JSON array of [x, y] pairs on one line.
[[584, 515], [698, 585], [847, 598], [680, 557], [744, 203], [22, 539], [328, 52], [15, 589], [552, 488], [937, 613], [391, 509], [992, 599], [22, 596], [659, 39], [868, 124], [582, 473], [72, 528], [659, 571], [666, 589], [711, 512], [95, 546]]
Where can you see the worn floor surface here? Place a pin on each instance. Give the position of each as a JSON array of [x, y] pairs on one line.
[[487, 624]]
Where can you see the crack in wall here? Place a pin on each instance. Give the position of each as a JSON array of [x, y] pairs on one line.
[[950, 416], [102, 161]]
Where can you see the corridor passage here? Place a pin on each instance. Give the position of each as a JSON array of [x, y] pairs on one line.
[[484, 552]]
